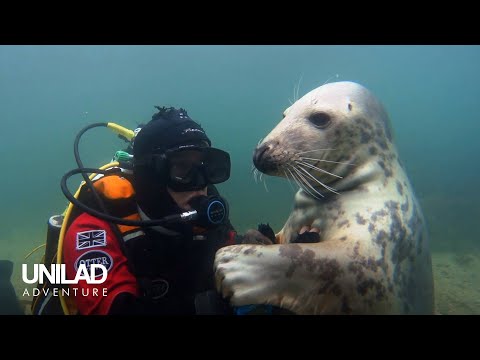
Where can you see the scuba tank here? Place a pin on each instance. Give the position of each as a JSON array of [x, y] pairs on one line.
[[54, 226], [42, 303]]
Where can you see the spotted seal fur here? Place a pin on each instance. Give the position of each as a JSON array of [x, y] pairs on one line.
[[373, 254]]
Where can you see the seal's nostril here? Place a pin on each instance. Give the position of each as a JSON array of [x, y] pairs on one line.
[[261, 152], [264, 159], [258, 154]]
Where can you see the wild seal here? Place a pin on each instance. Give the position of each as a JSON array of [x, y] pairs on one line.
[[372, 254]]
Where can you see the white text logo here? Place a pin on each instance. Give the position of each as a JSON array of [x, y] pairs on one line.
[[57, 274]]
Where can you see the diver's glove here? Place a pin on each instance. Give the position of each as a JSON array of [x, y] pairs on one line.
[[264, 235], [311, 236], [267, 231]]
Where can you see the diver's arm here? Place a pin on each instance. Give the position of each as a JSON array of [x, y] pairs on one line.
[[91, 241]]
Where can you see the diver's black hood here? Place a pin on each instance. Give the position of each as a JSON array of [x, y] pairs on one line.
[[168, 129]]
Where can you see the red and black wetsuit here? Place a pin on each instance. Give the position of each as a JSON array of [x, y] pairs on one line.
[[160, 274]]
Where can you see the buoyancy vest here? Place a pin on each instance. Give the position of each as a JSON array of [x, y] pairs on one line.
[[118, 196]]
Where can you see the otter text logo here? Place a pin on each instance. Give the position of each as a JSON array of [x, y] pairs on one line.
[[192, 130], [57, 274]]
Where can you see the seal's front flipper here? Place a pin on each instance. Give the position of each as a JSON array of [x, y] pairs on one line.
[[9, 304]]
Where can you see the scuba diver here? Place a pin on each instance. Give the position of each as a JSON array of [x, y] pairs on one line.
[[155, 222]]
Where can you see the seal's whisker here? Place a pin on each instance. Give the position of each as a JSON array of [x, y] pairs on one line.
[[259, 141], [299, 82], [261, 175], [295, 97], [301, 186], [294, 178], [265, 183], [317, 168], [305, 181], [330, 78], [294, 93], [318, 181], [289, 181], [329, 161], [304, 152], [255, 174]]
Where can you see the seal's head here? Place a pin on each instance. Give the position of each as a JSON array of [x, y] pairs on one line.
[[324, 133]]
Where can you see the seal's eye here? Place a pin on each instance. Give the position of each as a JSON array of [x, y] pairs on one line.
[[320, 120]]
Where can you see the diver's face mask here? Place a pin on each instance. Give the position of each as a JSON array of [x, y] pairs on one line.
[[191, 168]]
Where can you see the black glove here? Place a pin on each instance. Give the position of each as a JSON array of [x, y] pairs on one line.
[[263, 236], [307, 237], [267, 231]]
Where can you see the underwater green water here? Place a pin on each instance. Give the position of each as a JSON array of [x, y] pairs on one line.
[[238, 94]]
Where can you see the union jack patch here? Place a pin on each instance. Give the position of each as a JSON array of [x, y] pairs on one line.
[[90, 239]]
